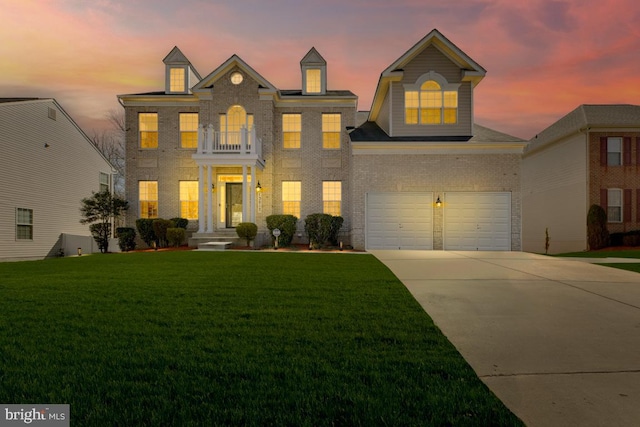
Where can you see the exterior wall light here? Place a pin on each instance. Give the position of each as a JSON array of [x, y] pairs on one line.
[[259, 187], [438, 202], [213, 187]]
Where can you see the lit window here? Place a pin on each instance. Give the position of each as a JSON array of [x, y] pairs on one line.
[[148, 124], [332, 197], [189, 130], [236, 78], [291, 196], [176, 80], [104, 181], [431, 105], [614, 205], [148, 195], [314, 81], [189, 199], [331, 131], [291, 129], [614, 151], [24, 224], [232, 123]]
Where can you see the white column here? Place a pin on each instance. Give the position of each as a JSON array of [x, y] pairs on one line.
[[201, 199], [244, 193], [210, 191], [252, 194]]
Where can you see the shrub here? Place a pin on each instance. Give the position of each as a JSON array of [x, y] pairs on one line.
[[175, 236], [318, 228], [336, 225], [160, 227], [145, 229], [287, 226], [247, 230], [180, 223], [126, 238], [597, 233]]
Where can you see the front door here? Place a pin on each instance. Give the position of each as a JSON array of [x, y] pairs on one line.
[[234, 204]]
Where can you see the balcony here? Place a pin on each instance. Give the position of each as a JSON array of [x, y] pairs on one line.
[[243, 144]]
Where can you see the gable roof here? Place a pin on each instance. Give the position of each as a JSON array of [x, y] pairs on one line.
[[471, 70], [586, 117], [233, 61], [313, 57], [175, 57]]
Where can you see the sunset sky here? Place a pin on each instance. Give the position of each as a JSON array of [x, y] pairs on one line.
[[543, 58]]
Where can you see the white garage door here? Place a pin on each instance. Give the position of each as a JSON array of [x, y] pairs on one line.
[[477, 221], [399, 221]]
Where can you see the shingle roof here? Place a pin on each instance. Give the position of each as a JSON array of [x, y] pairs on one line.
[[298, 92], [17, 99], [587, 116], [371, 132]]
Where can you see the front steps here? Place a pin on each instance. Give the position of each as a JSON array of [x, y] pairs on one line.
[[218, 241]]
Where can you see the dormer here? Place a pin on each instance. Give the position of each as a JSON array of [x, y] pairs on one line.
[[314, 73], [180, 75]]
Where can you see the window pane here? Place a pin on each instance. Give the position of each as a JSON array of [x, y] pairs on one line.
[[189, 130], [430, 99], [331, 131], [148, 196], [176, 80], [451, 99], [332, 197], [614, 208], [291, 130], [189, 199], [314, 83], [430, 85], [291, 196], [148, 124], [614, 151], [430, 116], [24, 224]]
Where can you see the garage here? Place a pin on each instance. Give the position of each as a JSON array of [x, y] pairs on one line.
[[399, 221], [478, 221]]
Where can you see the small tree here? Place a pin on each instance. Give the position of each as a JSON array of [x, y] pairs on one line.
[[597, 232], [99, 210], [160, 227]]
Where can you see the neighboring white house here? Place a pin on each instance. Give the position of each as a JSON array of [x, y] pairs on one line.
[[47, 166]]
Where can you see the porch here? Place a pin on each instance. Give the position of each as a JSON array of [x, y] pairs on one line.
[[227, 182]]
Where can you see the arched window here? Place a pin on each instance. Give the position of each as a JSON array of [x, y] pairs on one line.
[[431, 103], [232, 122]]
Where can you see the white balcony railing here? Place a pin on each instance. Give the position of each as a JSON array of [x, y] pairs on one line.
[[243, 142]]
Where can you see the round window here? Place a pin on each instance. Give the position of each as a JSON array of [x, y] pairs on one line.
[[236, 78]]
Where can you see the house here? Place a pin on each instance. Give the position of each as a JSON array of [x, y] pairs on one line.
[[590, 156], [47, 166], [416, 172]]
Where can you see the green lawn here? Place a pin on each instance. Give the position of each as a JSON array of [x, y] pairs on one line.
[[230, 338], [631, 253]]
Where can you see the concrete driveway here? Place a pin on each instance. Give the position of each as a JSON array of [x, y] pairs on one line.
[[558, 341]]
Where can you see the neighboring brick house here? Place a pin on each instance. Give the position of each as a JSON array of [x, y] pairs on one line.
[[417, 173], [590, 156], [47, 166]]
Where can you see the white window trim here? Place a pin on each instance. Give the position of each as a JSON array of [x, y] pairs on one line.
[[445, 86], [18, 223], [621, 206]]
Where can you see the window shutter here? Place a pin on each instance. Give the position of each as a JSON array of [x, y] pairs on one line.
[[638, 205], [626, 205], [603, 151], [626, 150], [603, 198], [637, 150]]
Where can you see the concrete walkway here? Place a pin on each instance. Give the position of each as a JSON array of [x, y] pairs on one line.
[[558, 341]]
